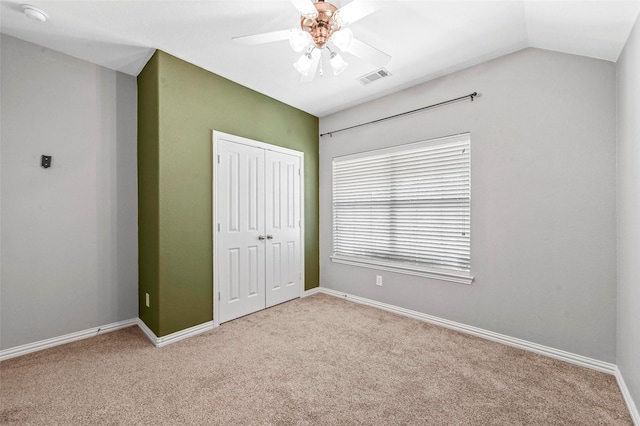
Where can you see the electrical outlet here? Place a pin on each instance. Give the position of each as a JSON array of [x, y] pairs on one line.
[[379, 280], [146, 295]]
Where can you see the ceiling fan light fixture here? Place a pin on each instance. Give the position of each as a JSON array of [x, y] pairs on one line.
[[299, 39], [342, 39], [321, 26], [303, 64], [337, 63]]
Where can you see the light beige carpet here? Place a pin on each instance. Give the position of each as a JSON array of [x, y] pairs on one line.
[[314, 361]]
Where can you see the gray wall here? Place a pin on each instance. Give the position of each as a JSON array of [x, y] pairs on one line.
[[543, 198], [628, 341], [69, 233]]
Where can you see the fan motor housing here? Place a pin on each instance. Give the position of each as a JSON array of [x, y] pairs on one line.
[[322, 26]]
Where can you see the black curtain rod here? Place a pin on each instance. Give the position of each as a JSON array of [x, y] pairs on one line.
[[470, 96]]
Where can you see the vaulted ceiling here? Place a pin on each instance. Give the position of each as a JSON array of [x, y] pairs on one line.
[[425, 39]]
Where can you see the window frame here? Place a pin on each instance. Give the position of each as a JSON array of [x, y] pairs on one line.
[[440, 273]]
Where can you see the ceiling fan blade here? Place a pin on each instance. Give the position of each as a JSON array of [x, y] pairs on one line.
[[313, 69], [263, 38], [356, 10], [368, 53], [305, 7]]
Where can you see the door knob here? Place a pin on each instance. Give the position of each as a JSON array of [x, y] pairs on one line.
[[269, 237], [261, 237]]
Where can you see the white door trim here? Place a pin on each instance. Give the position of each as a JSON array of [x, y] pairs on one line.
[[238, 139]]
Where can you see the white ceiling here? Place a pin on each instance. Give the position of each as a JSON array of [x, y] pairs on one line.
[[426, 39]]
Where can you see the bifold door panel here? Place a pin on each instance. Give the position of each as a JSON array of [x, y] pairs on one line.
[[258, 213]]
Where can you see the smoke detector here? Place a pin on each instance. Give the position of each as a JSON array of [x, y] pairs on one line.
[[34, 13]]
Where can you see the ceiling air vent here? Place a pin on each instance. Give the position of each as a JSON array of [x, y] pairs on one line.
[[376, 75]]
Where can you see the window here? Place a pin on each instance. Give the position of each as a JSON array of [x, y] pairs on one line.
[[406, 209]]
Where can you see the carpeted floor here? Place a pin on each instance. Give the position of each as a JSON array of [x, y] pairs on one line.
[[314, 361]]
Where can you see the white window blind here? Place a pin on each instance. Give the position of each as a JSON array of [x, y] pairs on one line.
[[406, 208]]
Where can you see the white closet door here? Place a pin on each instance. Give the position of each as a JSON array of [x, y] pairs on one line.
[[241, 251], [282, 215]]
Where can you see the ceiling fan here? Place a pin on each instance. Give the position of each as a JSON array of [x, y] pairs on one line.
[[323, 27]]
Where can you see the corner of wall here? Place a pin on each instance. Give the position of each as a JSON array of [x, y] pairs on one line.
[[627, 210], [148, 193]]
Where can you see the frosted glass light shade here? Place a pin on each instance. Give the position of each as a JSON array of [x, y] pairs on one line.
[[299, 39], [342, 39], [303, 64], [337, 63]]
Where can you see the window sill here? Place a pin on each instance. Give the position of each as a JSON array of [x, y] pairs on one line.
[[438, 274]]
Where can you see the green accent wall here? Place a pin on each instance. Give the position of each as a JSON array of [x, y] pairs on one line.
[[179, 106]]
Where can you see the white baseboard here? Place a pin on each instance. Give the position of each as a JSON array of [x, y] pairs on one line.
[[159, 342], [79, 335], [633, 410], [67, 338], [572, 358], [583, 361], [147, 332]]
